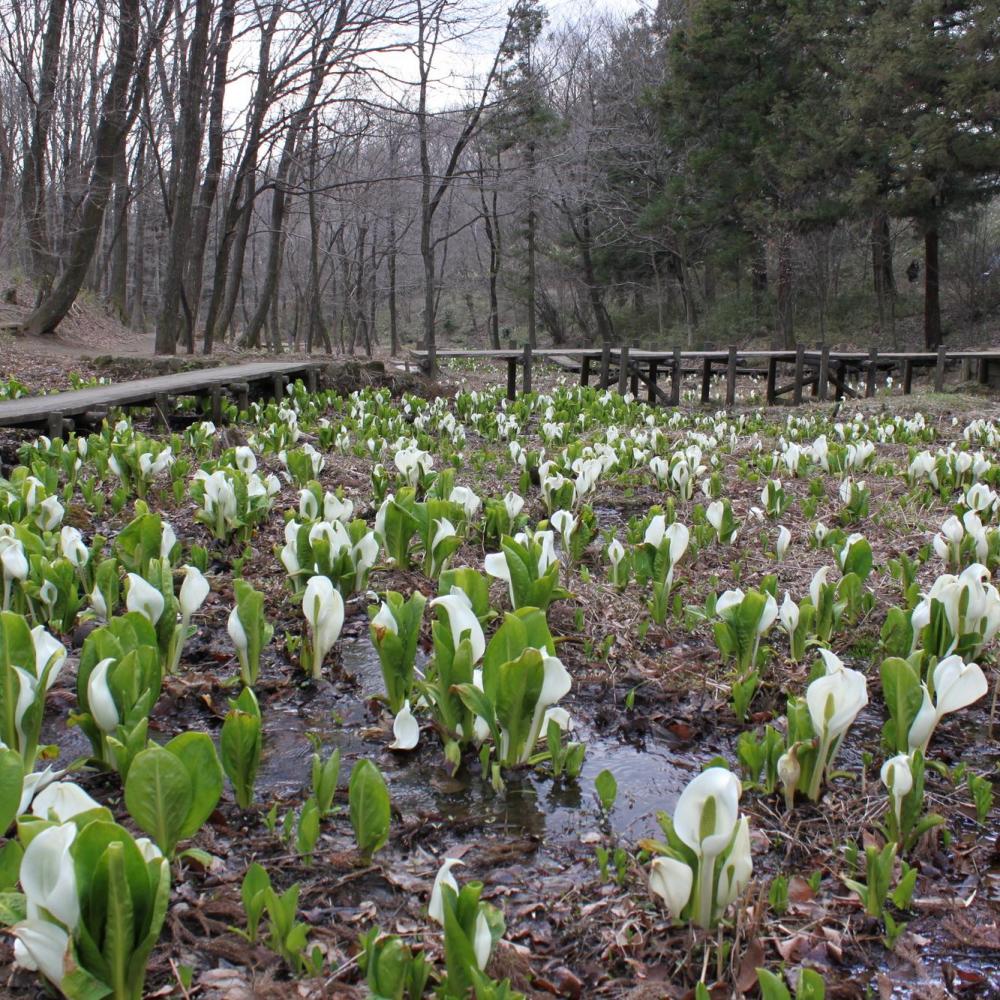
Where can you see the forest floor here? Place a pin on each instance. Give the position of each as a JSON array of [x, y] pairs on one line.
[[651, 703]]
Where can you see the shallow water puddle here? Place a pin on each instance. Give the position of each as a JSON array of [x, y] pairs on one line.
[[648, 779]]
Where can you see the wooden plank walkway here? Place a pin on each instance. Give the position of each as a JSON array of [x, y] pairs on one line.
[[815, 370], [57, 410]]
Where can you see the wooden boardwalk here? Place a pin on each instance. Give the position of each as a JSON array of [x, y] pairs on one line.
[[820, 371], [58, 410]]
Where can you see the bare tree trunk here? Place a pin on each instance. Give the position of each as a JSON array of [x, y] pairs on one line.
[[187, 154], [137, 307], [530, 247], [279, 194], [43, 265], [118, 272], [110, 135], [786, 310], [236, 224], [932, 290], [213, 167], [429, 25]]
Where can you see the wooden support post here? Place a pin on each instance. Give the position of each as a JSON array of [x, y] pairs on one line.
[[653, 370], [907, 377], [841, 380], [983, 371], [634, 381], [526, 373], [706, 379], [676, 372], [966, 369], [511, 378], [824, 374], [872, 373], [161, 403], [242, 392], [622, 368], [278, 388], [939, 370], [800, 364], [55, 423], [605, 365], [772, 378], [585, 370], [432, 361], [312, 380], [216, 405], [731, 376]]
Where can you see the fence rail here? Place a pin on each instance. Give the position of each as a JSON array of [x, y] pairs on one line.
[[820, 371]]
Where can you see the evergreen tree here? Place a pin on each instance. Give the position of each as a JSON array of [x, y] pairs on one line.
[[922, 97]]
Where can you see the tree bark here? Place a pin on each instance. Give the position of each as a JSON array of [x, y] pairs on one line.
[[110, 135], [236, 224], [213, 167], [118, 271], [786, 308], [187, 154], [42, 261], [932, 291]]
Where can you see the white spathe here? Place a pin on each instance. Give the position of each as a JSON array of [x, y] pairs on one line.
[[144, 598], [323, 608], [405, 729], [462, 620], [672, 881]]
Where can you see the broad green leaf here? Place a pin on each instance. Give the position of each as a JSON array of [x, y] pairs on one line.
[[370, 807], [159, 796], [196, 752]]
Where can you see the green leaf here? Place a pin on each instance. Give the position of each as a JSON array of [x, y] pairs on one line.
[[606, 787], [903, 697], [519, 685], [771, 987], [13, 908], [370, 808], [11, 784], [159, 796], [196, 752]]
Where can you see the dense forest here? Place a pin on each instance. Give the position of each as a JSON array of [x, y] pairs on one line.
[[362, 175]]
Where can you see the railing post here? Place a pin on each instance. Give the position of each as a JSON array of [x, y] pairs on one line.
[[872, 373], [585, 370], [731, 376], [161, 403], [651, 394], [605, 365], [772, 377], [526, 373], [800, 365], [55, 423], [242, 393], [675, 378], [939, 370], [216, 403], [622, 368], [907, 376], [706, 379], [824, 374]]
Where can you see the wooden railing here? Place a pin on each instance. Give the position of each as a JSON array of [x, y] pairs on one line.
[[819, 371]]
